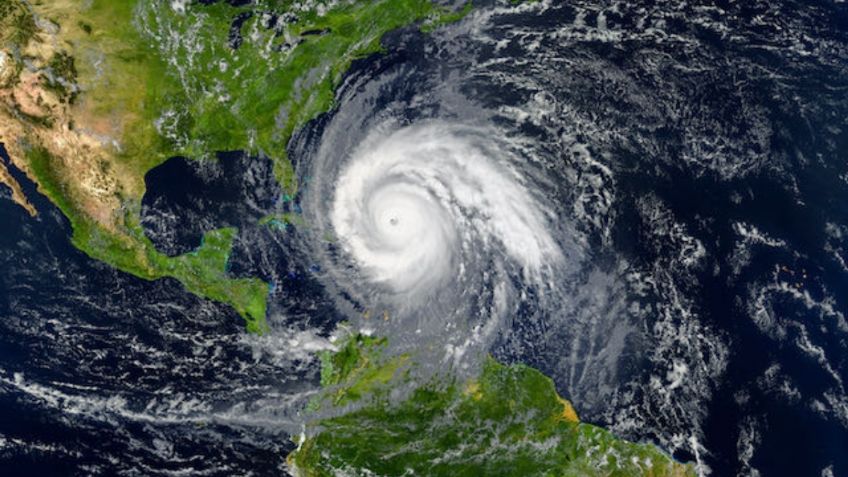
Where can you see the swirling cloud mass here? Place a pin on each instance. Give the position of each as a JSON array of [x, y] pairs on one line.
[[423, 206], [444, 226]]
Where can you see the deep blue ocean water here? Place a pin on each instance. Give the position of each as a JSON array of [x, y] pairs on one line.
[[105, 374]]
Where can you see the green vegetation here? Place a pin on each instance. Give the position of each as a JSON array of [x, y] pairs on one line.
[[508, 422], [202, 272], [64, 72], [254, 97], [357, 369], [17, 25]]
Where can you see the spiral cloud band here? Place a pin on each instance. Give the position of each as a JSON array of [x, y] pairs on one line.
[[424, 205]]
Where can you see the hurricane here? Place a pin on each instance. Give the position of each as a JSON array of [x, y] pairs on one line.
[[432, 220], [418, 207]]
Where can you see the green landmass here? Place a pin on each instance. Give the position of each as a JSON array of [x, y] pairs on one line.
[[358, 369], [510, 421], [102, 91]]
